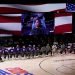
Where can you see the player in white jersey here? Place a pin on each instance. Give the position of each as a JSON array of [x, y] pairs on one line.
[[69, 47], [54, 48]]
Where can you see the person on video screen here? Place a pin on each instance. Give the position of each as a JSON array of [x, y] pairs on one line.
[[38, 29], [42, 19]]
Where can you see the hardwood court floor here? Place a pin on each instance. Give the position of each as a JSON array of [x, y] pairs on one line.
[[52, 65]]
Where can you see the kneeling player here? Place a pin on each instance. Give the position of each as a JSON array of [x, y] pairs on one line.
[[54, 47], [23, 51], [48, 50], [12, 52], [6, 53], [1, 55]]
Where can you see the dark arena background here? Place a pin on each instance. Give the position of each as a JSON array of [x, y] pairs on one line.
[[37, 39]]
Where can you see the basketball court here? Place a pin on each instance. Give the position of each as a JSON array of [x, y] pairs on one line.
[[51, 65]]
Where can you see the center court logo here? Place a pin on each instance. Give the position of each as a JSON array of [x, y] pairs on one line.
[[14, 71]]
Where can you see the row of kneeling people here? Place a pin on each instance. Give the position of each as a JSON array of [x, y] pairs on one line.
[[24, 51], [35, 50]]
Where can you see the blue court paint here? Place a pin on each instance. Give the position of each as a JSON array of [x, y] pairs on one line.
[[2, 72]]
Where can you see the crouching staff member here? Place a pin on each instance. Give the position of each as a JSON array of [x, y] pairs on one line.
[[6, 53], [48, 49]]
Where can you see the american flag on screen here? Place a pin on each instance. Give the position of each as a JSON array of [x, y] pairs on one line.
[[70, 7], [19, 8], [63, 23], [10, 24]]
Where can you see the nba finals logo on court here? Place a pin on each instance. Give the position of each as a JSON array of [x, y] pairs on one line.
[[14, 71]]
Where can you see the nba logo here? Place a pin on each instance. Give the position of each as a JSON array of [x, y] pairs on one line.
[[14, 71]]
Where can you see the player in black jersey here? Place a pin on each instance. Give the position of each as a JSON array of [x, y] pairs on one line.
[[29, 49], [23, 51], [1, 54], [33, 51], [17, 51], [12, 52], [6, 54], [37, 51], [74, 48]]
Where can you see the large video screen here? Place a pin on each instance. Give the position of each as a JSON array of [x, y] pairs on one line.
[[37, 23]]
